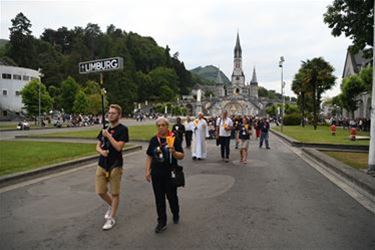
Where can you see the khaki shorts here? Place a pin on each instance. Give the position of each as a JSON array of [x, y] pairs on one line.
[[244, 144], [101, 181]]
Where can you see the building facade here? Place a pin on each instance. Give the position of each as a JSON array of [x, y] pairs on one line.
[[12, 81], [238, 97], [353, 65]]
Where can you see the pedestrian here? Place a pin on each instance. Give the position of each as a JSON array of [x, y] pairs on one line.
[[179, 129], [224, 126], [163, 152], [189, 127], [264, 127], [257, 128], [243, 138], [111, 142], [200, 133]]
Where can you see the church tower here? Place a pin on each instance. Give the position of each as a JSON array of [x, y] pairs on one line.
[[254, 86], [238, 77]]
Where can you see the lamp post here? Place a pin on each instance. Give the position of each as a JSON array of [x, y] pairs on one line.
[[282, 60], [371, 156], [39, 99]]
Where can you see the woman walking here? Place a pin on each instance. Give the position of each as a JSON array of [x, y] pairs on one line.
[[162, 154], [243, 138]]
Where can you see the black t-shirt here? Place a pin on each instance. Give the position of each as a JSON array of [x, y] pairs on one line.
[[244, 134], [179, 130], [161, 162], [114, 159]]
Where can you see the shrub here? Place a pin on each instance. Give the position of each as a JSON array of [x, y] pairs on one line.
[[292, 119]]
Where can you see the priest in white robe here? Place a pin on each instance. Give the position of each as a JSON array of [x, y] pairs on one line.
[[200, 133]]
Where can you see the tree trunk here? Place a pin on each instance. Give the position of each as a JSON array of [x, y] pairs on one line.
[[303, 108], [314, 105]]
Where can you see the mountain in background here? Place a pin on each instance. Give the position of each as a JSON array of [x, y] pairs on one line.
[[209, 74], [3, 42]]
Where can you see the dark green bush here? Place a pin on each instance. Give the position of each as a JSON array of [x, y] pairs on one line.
[[292, 119]]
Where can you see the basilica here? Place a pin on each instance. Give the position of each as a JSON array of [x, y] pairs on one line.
[[238, 98]]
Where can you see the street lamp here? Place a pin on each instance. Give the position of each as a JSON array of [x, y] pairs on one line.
[[282, 60], [39, 99]]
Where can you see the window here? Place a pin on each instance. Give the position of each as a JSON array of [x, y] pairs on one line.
[[5, 92], [26, 78], [18, 93], [33, 78], [6, 76], [17, 77], [5, 113]]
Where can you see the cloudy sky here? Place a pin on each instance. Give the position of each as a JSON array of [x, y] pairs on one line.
[[204, 31]]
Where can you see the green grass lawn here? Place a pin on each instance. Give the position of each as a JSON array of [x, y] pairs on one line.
[[321, 135], [356, 160], [141, 132], [16, 156]]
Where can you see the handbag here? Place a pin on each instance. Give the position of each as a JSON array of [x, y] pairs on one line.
[[178, 176]]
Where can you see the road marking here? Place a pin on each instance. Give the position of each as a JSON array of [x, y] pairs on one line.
[[358, 194], [50, 176]]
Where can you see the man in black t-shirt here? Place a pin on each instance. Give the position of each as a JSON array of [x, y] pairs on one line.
[[179, 129], [111, 141]]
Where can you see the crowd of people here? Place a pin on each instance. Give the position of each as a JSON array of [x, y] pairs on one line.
[[362, 124], [164, 151]]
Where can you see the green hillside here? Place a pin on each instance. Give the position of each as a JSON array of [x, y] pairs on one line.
[[3, 42], [209, 73]]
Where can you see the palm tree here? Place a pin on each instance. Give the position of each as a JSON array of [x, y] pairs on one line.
[[318, 75]]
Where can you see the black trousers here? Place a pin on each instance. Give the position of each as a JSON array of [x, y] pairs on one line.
[[188, 137], [164, 189], [224, 146]]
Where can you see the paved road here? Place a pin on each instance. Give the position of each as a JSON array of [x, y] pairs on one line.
[[9, 135], [277, 201]]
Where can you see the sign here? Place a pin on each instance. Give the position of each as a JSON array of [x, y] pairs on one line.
[[100, 65]]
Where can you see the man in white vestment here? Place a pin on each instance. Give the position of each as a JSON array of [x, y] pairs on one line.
[[200, 133]]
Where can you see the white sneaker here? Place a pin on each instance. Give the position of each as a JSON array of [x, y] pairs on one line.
[[109, 224], [108, 213]]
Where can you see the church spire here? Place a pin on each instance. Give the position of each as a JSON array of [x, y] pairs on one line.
[[237, 48], [254, 78]]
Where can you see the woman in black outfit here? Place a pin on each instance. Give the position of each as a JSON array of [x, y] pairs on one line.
[[159, 163]]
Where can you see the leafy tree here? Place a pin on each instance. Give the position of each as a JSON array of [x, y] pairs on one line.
[[366, 76], [21, 48], [81, 103], [69, 90], [351, 87], [300, 88], [262, 92], [354, 18], [30, 98]]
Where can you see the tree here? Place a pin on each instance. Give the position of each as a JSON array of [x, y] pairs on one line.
[[351, 87], [30, 98], [318, 76], [21, 48], [81, 103], [262, 92], [366, 76], [354, 18], [300, 88], [69, 90]]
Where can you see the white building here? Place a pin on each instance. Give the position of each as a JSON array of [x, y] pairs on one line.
[[12, 81], [353, 65]]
